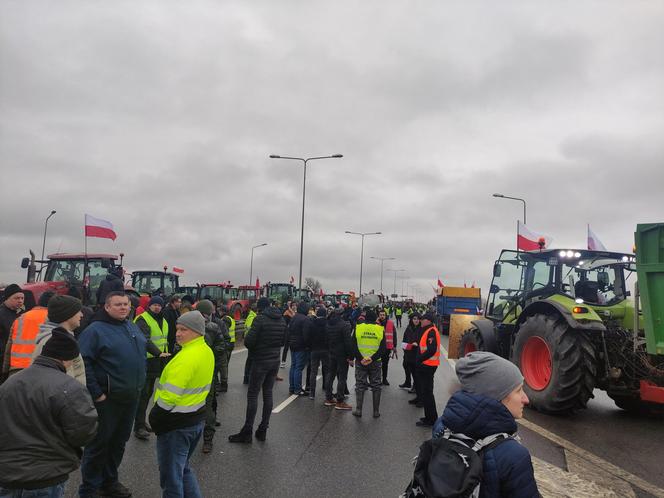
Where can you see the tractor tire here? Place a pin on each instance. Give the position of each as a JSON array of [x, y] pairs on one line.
[[558, 364], [471, 340], [236, 312]]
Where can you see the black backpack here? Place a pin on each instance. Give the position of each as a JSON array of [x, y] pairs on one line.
[[450, 466]]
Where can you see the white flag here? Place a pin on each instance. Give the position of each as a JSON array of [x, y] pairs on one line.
[[594, 244]]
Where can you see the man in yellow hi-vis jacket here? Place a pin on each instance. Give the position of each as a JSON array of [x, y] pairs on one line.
[[178, 415]]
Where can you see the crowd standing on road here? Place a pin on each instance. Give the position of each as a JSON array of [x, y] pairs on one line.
[[103, 370]]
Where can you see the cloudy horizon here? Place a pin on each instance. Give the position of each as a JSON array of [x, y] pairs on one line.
[[160, 117]]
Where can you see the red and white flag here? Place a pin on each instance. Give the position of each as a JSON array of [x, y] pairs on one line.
[[178, 270], [527, 240], [96, 227], [440, 284], [292, 279], [594, 244]]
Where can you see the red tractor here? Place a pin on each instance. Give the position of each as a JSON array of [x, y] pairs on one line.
[[226, 293], [61, 272]]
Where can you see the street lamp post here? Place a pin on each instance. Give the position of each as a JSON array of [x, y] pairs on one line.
[[362, 234], [501, 196], [251, 266], [304, 188], [381, 269], [44, 241], [395, 278]]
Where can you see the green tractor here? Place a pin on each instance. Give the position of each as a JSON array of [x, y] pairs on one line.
[[564, 318]]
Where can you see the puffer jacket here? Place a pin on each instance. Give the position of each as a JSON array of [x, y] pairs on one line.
[[266, 336], [77, 369], [508, 469], [296, 328], [47, 417], [315, 336], [339, 337], [114, 356]]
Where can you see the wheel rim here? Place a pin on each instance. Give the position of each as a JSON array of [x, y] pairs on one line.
[[469, 348], [536, 363]]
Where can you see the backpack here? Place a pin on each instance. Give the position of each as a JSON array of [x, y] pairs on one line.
[[450, 466]]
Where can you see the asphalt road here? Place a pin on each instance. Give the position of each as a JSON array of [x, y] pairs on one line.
[[315, 451]]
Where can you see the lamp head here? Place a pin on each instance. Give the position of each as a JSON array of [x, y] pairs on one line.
[[498, 195], [337, 156], [274, 156]]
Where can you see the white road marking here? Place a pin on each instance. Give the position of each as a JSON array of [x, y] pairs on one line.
[[591, 457], [289, 400], [236, 351]]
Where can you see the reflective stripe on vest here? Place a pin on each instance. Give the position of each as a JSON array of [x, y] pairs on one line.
[[24, 335], [434, 361], [159, 337], [231, 329], [185, 382], [368, 337], [398, 312]]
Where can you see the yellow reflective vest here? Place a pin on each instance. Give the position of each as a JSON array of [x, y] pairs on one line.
[[158, 336], [185, 382], [249, 321], [231, 327], [368, 337]]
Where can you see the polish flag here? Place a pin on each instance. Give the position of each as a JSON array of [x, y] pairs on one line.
[[527, 240], [95, 227], [292, 279], [178, 270], [594, 244], [440, 284], [258, 283]]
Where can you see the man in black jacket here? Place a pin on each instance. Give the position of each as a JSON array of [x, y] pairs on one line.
[[298, 348], [13, 300], [341, 356], [315, 337], [47, 417], [171, 314], [264, 342]]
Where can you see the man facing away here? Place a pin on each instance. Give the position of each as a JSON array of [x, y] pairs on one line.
[[369, 346], [113, 349], [47, 416], [178, 415], [264, 342], [341, 356]]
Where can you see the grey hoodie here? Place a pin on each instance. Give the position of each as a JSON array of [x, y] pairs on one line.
[[77, 370]]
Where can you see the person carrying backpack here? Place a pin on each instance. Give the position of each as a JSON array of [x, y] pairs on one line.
[[485, 411]]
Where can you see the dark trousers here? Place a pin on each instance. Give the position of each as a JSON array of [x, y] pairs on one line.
[[425, 382], [322, 359], [102, 456], [221, 367], [398, 317], [367, 376], [339, 369], [247, 368], [210, 411], [262, 376], [144, 400], [408, 369], [284, 354], [386, 362], [174, 449]]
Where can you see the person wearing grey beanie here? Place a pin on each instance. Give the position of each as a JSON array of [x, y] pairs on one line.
[[194, 321], [490, 400]]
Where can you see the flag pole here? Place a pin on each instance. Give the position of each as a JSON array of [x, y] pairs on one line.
[[86, 297]]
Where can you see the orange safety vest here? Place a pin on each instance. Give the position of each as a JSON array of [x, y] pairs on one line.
[[434, 361], [24, 334]]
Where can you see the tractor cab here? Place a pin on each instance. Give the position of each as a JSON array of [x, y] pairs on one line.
[[151, 283], [279, 293], [304, 295]]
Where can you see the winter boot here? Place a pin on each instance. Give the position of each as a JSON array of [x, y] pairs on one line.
[[243, 436], [359, 400], [261, 434], [376, 403], [207, 446]]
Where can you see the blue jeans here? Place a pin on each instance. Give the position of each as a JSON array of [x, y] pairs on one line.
[[57, 491], [174, 449], [299, 360]]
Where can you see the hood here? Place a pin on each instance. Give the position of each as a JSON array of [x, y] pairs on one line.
[[110, 277], [303, 308], [272, 312], [477, 416], [101, 316], [334, 318], [319, 322]]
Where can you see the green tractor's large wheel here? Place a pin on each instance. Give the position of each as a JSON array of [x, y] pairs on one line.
[[557, 363], [471, 340]]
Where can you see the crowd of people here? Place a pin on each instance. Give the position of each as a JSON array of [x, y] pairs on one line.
[[78, 382]]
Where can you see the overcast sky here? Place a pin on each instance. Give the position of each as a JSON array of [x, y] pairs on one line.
[[160, 117]]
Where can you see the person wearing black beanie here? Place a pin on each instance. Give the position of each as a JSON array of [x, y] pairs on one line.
[[61, 346], [12, 306]]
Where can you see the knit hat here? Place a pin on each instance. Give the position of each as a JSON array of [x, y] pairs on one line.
[[62, 308], [205, 306], [262, 303], [370, 316], [156, 300], [428, 316], [321, 312], [61, 345], [488, 374], [194, 321], [10, 290]]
